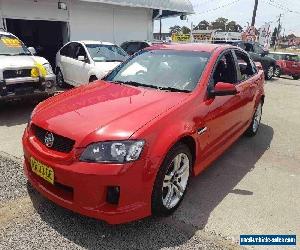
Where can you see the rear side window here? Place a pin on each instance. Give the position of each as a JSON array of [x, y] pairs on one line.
[[133, 48], [68, 50], [246, 67]]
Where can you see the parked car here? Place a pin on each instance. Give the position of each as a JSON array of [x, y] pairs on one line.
[[131, 47], [258, 54], [86, 61], [20, 70], [286, 64], [125, 147]]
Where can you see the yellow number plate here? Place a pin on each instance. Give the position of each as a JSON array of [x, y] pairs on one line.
[[42, 170]]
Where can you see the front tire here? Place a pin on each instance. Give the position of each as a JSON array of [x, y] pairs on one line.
[[296, 77], [93, 78], [60, 79], [172, 181], [270, 72], [256, 119], [277, 72]]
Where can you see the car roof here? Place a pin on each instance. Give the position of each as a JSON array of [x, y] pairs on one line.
[[94, 42], [199, 47]]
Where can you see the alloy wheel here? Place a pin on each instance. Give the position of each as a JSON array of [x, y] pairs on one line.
[[175, 181], [270, 72], [257, 118]]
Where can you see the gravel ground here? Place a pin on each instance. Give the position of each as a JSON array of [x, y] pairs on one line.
[[28, 221]]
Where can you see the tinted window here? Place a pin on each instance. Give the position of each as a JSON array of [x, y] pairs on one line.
[[225, 70], [258, 49], [293, 58], [68, 50], [79, 51], [133, 48], [106, 53], [249, 47], [180, 70], [245, 66]]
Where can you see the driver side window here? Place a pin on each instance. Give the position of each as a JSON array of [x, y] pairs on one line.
[[246, 67], [225, 70]]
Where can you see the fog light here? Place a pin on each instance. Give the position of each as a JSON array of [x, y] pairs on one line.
[[113, 195], [48, 84]]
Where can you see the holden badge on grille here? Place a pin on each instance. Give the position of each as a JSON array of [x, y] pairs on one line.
[[49, 139]]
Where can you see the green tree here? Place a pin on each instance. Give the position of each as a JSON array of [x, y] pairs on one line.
[[185, 30], [219, 24], [203, 25], [233, 27], [175, 29]]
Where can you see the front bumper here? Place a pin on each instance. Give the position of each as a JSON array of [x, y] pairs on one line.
[[82, 187], [27, 87]]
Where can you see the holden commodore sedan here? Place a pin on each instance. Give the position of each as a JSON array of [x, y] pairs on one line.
[[126, 147]]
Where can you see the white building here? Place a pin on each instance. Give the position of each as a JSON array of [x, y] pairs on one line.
[[47, 24]]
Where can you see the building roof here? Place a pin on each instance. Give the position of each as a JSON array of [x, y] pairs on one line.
[[181, 6]]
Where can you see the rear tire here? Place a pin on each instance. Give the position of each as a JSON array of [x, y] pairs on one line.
[[172, 181], [256, 119], [60, 79], [296, 77], [277, 72]]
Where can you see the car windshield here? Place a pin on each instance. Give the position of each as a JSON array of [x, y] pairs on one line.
[[12, 46], [106, 53], [293, 58], [168, 70]]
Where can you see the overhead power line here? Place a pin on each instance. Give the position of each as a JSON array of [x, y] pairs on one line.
[[219, 7], [280, 6]]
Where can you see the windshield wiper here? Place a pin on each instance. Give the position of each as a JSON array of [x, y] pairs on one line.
[[114, 61], [138, 84], [21, 54], [174, 89]]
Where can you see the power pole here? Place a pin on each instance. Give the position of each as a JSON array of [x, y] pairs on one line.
[[278, 31], [160, 27], [254, 13]]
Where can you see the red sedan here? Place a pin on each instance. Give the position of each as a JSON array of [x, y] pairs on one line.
[[286, 64], [126, 147]]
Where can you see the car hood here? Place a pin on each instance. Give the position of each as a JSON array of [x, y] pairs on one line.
[[103, 111], [104, 68], [7, 62]]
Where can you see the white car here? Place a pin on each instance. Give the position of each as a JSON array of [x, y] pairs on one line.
[[86, 61], [20, 74]]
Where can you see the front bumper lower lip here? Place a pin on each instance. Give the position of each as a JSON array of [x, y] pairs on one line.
[[89, 185]]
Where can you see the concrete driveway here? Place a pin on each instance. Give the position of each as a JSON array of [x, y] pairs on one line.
[[254, 188]]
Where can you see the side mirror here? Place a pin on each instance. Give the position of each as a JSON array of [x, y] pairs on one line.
[[81, 58], [32, 50], [258, 66], [223, 89]]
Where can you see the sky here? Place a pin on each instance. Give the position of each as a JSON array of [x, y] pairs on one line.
[[241, 12]]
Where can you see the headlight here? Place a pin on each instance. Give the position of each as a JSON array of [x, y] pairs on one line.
[[113, 152], [48, 68]]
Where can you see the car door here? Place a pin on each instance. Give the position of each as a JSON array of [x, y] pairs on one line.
[[79, 70], [65, 61], [247, 84], [224, 121]]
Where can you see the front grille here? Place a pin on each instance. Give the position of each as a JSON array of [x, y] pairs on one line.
[[61, 144], [27, 87], [16, 73]]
